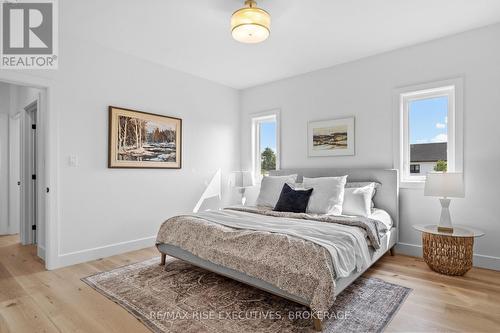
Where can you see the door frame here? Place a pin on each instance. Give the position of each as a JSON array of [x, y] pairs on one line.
[[29, 206], [48, 141]]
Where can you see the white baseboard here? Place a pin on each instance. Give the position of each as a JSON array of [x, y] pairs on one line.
[[409, 249], [478, 260], [40, 251], [77, 257]]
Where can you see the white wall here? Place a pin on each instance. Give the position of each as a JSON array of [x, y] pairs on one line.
[[25, 96], [4, 173], [364, 89], [4, 157], [106, 211], [102, 207], [14, 173], [14, 162]]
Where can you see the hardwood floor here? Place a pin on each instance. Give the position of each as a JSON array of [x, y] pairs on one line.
[[35, 300]]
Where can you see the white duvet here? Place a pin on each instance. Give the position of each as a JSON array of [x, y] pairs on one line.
[[347, 245]]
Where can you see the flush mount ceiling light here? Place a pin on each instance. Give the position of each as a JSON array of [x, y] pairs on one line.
[[250, 24]]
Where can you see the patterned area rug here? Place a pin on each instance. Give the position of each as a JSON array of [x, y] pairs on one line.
[[185, 298]]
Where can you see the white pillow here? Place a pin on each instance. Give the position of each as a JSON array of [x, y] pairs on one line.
[[327, 195], [357, 201], [270, 189]]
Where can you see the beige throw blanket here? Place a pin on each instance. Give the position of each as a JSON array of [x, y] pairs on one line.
[[280, 248]]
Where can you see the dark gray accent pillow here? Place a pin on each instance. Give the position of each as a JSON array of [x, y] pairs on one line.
[[292, 200]]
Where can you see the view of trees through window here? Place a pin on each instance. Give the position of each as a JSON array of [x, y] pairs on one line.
[[441, 166], [267, 140], [428, 134], [268, 161]]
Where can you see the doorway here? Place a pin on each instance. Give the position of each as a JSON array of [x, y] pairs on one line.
[[21, 163], [29, 187]]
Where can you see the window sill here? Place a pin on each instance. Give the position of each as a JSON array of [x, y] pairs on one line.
[[415, 184]]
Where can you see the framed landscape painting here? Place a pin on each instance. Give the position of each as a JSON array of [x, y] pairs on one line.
[[143, 140], [331, 137]]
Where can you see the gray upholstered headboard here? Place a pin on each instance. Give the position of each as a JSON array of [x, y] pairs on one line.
[[387, 196]]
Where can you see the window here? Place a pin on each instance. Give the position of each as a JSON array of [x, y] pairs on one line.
[[265, 143], [414, 168], [429, 139]]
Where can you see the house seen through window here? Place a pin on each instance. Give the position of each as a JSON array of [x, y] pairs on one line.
[[428, 131]]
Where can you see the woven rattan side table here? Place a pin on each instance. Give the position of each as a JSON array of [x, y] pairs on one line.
[[448, 253]]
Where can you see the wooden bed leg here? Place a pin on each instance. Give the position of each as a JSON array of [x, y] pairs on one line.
[[392, 251], [163, 257], [317, 324]]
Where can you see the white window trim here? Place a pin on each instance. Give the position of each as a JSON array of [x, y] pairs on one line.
[[455, 126], [256, 118]]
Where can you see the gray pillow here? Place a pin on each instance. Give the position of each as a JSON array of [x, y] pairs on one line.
[[327, 196], [363, 184], [270, 189], [357, 200]]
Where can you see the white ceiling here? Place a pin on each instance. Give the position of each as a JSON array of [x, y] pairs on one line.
[[194, 35]]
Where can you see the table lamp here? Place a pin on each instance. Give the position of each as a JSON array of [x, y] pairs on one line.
[[444, 185], [242, 180]]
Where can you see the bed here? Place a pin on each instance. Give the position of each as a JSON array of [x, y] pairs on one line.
[[197, 231]]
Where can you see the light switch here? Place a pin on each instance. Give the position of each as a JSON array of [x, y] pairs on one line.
[[73, 161]]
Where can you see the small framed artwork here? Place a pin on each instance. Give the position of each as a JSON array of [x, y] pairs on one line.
[[143, 140], [331, 137]]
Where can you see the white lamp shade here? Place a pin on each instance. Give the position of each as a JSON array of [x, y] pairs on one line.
[[241, 179], [444, 184]]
